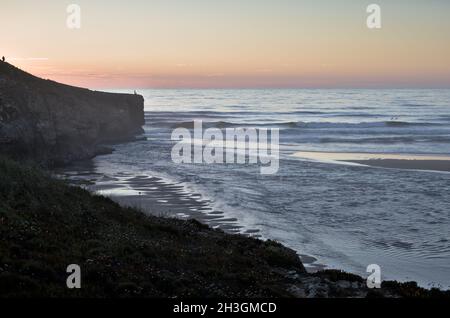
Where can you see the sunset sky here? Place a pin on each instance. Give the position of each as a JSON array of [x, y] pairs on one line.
[[232, 43]]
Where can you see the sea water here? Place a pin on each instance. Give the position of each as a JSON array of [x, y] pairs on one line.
[[346, 216]]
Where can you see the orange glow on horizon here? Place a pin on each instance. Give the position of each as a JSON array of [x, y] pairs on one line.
[[210, 45]]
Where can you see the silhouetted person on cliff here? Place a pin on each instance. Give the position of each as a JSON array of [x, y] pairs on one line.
[[3, 59]]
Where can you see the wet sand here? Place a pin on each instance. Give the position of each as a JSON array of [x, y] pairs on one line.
[[395, 161], [155, 196], [429, 165]]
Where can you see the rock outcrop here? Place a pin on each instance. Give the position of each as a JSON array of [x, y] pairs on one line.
[[53, 123]]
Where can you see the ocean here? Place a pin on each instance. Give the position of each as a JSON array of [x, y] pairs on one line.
[[334, 214]]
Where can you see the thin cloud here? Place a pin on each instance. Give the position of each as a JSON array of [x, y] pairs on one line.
[[29, 58]]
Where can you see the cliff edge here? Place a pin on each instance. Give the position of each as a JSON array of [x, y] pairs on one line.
[[55, 123]]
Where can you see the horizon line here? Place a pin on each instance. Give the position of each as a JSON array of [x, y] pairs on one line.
[[266, 88]]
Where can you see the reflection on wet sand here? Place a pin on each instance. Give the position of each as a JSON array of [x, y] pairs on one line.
[[395, 161]]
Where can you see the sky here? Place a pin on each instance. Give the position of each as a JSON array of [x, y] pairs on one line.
[[230, 44]]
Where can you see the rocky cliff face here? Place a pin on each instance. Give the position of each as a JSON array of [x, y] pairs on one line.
[[55, 123]]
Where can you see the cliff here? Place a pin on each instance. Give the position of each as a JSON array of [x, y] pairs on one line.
[[55, 123]]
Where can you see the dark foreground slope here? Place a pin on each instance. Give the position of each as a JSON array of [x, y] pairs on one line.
[[45, 225], [55, 123]]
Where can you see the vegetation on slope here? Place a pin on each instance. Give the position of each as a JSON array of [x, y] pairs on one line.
[[45, 225]]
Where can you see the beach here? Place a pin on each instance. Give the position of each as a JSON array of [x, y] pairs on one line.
[[152, 195], [161, 198]]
